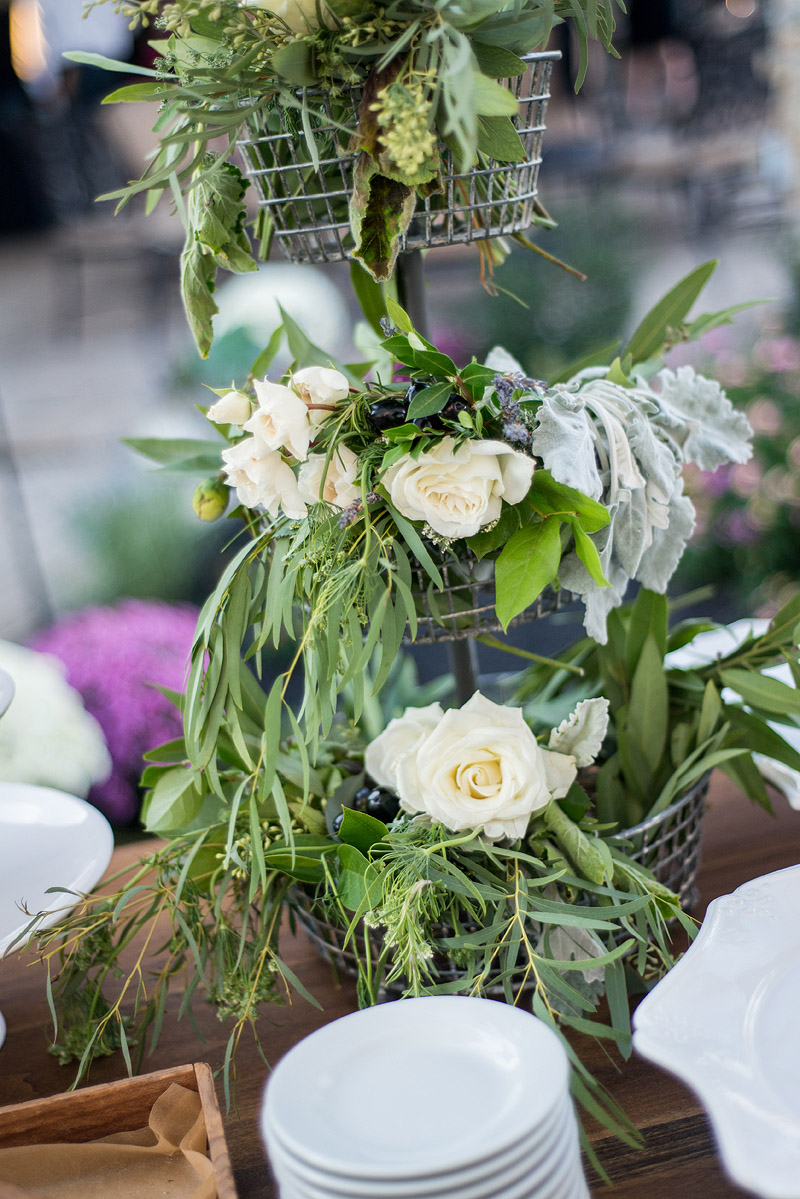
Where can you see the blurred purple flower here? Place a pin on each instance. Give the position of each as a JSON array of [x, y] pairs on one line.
[[113, 656], [778, 354], [735, 528], [716, 482]]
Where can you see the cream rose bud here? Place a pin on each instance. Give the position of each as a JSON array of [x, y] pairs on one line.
[[300, 15], [262, 479], [232, 408], [320, 388], [280, 420], [339, 488], [482, 766], [401, 737], [458, 491]]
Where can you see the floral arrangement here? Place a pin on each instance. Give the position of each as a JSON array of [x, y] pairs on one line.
[[345, 486], [428, 80], [483, 864], [120, 660], [47, 737]]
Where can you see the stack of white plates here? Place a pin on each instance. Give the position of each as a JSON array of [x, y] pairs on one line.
[[443, 1096]]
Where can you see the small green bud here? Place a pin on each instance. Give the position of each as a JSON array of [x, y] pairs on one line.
[[210, 498]]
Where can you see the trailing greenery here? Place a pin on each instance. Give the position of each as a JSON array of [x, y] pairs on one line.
[[559, 917]]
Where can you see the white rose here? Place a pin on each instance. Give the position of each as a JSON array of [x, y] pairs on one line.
[[482, 766], [233, 408], [262, 478], [458, 491], [340, 488], [280, 420], [300, 15], [401, 737], [320, 389]]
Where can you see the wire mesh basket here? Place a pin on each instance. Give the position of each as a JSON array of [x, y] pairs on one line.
[[309, 207], [465, 606], [667, 844]]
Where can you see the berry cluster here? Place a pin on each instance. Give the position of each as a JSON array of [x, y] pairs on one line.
[[389, 412], [375, 801]]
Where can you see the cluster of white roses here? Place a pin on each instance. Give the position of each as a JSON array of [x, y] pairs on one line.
[[282, 426], [480, 766], [454, 489]]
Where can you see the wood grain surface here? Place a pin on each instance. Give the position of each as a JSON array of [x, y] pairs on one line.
[[679, 1161]]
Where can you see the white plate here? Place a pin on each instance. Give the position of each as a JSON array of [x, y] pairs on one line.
[[47, 839], [532, 1148], [534, 1166], [726, 1020], [394, 1090]]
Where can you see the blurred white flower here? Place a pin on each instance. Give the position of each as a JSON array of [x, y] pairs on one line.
[[340, 488], [262, 479], [281, 419], [46, 736], [320, 388], [232, 408]]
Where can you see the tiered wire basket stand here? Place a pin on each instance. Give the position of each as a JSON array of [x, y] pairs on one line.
[[308, 204]]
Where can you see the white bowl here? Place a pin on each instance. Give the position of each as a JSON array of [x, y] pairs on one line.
[[47, 839]]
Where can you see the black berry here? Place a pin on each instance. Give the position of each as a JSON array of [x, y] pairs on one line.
[[455, 404], [382, 805], [387, 413], [360, 798], [336, 823]]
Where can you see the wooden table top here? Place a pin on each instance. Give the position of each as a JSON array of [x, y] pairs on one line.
[[740, 842]]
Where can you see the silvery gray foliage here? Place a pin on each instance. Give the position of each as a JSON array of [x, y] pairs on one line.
[[625, 446], [701, 418]]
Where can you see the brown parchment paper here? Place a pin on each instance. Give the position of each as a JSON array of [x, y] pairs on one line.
[[166, 1158]]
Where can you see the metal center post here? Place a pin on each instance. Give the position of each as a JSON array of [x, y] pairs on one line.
[[410, 277]]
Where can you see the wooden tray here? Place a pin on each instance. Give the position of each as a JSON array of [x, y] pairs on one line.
[[117, 1107]]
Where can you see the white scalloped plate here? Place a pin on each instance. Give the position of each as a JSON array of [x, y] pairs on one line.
[[726, 1021]]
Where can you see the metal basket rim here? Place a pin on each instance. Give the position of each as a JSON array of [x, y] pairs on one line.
[[696, 791]]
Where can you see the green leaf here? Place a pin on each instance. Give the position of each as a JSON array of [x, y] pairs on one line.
[[760, 691], [649, 704], [107, 64], [361, 830], [398, 316], [429, 400], [265, 358], [491, 99], [293, 61], [174, 451], [484, 543], [528, 563], [498, 138], [649, 614], [586, 550], [369, 294], [496, 62], [547, 496], [712, 320], [710, 713], [744, 772], [668, 313], [380, 213], [174, 801], [135, 92], [760, 737], [355, 885]]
